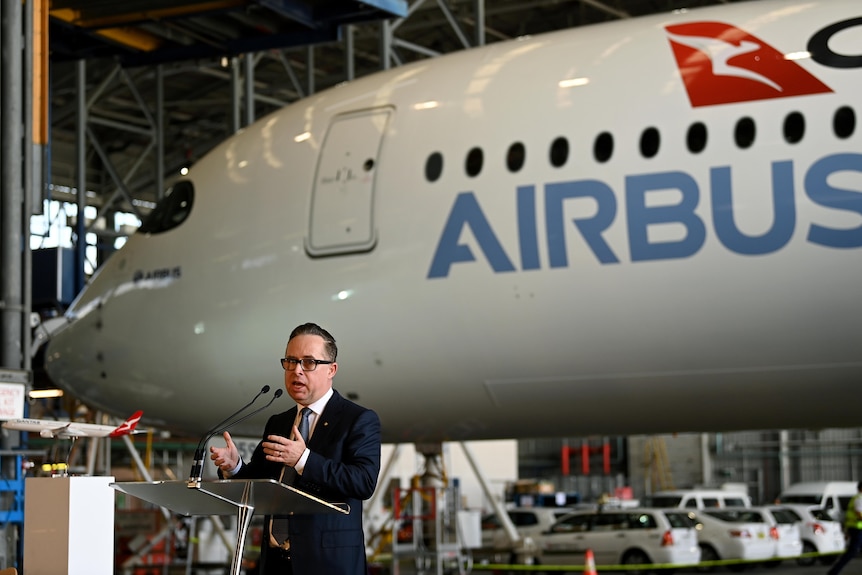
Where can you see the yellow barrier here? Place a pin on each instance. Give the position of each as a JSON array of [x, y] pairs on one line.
[[702, 566]]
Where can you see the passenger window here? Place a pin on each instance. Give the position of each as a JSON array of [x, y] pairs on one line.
[[603, 147], [696, 137], [610, 522], [581, 524], [474, 162], [650, 140], [434, 167], [794, 127], [642, 521], [559, 152], [750, 517], [681, 519], [744, 133], [571, 525], [844, 122], [691, 504], [515, 157], [710, 502], [490, 522]]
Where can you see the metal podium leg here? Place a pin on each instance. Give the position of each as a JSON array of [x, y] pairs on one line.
[[244, 513]]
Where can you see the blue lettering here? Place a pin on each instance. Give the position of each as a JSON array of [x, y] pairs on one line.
[[820, 192], [528, 235], [467, 213], [784, 210], [591, 228], [640, 217]]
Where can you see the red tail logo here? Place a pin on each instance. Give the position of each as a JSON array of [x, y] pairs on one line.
[[721, 64], [127, 426]]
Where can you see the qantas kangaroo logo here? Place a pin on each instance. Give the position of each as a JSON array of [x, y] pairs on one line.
[[127, 426], [721, 64]]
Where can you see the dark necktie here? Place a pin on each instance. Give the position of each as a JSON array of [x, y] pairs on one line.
[[304, 425], [278, 528]]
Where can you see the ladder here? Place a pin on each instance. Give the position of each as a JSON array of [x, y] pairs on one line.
[[656, 464]]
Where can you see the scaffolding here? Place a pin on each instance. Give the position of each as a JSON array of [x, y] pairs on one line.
[[428, 531]]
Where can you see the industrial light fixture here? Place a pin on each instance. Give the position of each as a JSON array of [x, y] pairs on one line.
[[45, 393]]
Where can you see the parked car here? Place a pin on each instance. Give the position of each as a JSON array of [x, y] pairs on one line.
[[637, 536], [740, 535], [788, 541], [699, 498], [528, 521], [819, 534]]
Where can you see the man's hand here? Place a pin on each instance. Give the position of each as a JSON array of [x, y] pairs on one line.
[[226, 458], [283, 449]]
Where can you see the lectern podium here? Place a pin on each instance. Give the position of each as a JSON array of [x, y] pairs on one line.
[[242, 497]]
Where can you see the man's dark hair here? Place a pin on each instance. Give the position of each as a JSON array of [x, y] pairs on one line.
[[314, 329]]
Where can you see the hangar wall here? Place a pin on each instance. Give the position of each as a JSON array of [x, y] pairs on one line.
[[763, 462]]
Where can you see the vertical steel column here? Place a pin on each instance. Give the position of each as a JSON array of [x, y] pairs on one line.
[[81, 175], [36, 141], [249, 88], [12, 218], [349, 64], [32, 166], [784, 459], [479, 9], [309, 59], [160, 132], [385, 44], [11, 180], [705, 459], [234, 95]]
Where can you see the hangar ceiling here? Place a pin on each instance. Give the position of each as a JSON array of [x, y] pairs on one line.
[[202, 50]]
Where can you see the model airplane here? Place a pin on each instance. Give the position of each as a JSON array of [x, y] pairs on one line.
[[73, 429], [643, 226]]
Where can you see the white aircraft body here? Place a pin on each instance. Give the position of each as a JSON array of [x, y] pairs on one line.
[[644, 226], [74, 429]]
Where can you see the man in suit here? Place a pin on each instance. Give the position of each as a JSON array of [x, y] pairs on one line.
[[339, 462]]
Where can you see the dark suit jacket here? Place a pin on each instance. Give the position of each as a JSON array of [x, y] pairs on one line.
[[342, 467]]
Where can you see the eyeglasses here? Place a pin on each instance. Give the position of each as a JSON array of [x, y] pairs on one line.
[[307, 363]]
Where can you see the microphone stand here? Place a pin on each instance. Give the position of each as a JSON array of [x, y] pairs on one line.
[[197, 467], [197, 463]]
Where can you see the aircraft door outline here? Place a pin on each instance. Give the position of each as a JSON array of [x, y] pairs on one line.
[[341, 220]]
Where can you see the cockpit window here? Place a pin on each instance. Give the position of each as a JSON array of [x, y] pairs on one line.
[[172, 210]]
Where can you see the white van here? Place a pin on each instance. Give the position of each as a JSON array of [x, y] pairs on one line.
[[834, 496], [699, 498]]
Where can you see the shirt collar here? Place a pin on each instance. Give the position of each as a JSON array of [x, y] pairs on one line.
[[318, 406]]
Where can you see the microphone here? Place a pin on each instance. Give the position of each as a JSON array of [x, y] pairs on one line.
[[197, 465]]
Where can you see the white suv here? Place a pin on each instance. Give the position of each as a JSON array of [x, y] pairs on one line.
[[638, 536], [699, 499]]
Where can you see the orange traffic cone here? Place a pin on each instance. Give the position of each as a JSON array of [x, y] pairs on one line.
[[590, 563]]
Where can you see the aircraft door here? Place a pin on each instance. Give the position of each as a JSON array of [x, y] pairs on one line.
[[342, 201]]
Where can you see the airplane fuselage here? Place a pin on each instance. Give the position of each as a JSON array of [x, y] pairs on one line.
[[584, 232]]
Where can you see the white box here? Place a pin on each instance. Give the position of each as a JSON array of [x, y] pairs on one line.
[[69, 526]]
